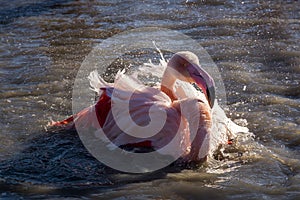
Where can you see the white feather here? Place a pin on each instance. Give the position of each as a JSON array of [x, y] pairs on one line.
[[97, 82]]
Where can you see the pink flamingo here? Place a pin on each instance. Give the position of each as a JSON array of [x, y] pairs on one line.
[[168, 99]]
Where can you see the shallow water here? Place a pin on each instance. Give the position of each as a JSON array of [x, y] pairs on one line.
[[255, 44]]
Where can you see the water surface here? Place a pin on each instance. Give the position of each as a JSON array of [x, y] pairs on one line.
[[255, 44]]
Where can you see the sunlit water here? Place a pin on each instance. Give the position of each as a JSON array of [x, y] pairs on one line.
[[255, 44]]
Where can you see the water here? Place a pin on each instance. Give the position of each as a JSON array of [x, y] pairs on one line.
[[255, 45]]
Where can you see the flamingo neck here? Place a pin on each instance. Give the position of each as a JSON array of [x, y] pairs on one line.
[[168, 92], [167, 84]]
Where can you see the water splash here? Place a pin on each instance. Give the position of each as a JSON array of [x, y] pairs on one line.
[[223, 128]]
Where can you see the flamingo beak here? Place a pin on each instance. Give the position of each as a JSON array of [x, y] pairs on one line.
[[204, 81]]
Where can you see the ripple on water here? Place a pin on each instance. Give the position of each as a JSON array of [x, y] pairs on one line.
[[255, 45]]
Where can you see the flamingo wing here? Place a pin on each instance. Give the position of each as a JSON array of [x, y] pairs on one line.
[[127, 92]]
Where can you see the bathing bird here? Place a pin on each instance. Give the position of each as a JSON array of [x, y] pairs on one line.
[[131, 114]]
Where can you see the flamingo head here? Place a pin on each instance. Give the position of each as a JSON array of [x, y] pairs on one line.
[[187, 68]]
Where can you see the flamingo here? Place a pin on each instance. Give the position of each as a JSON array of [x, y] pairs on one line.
[[148, 105]]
